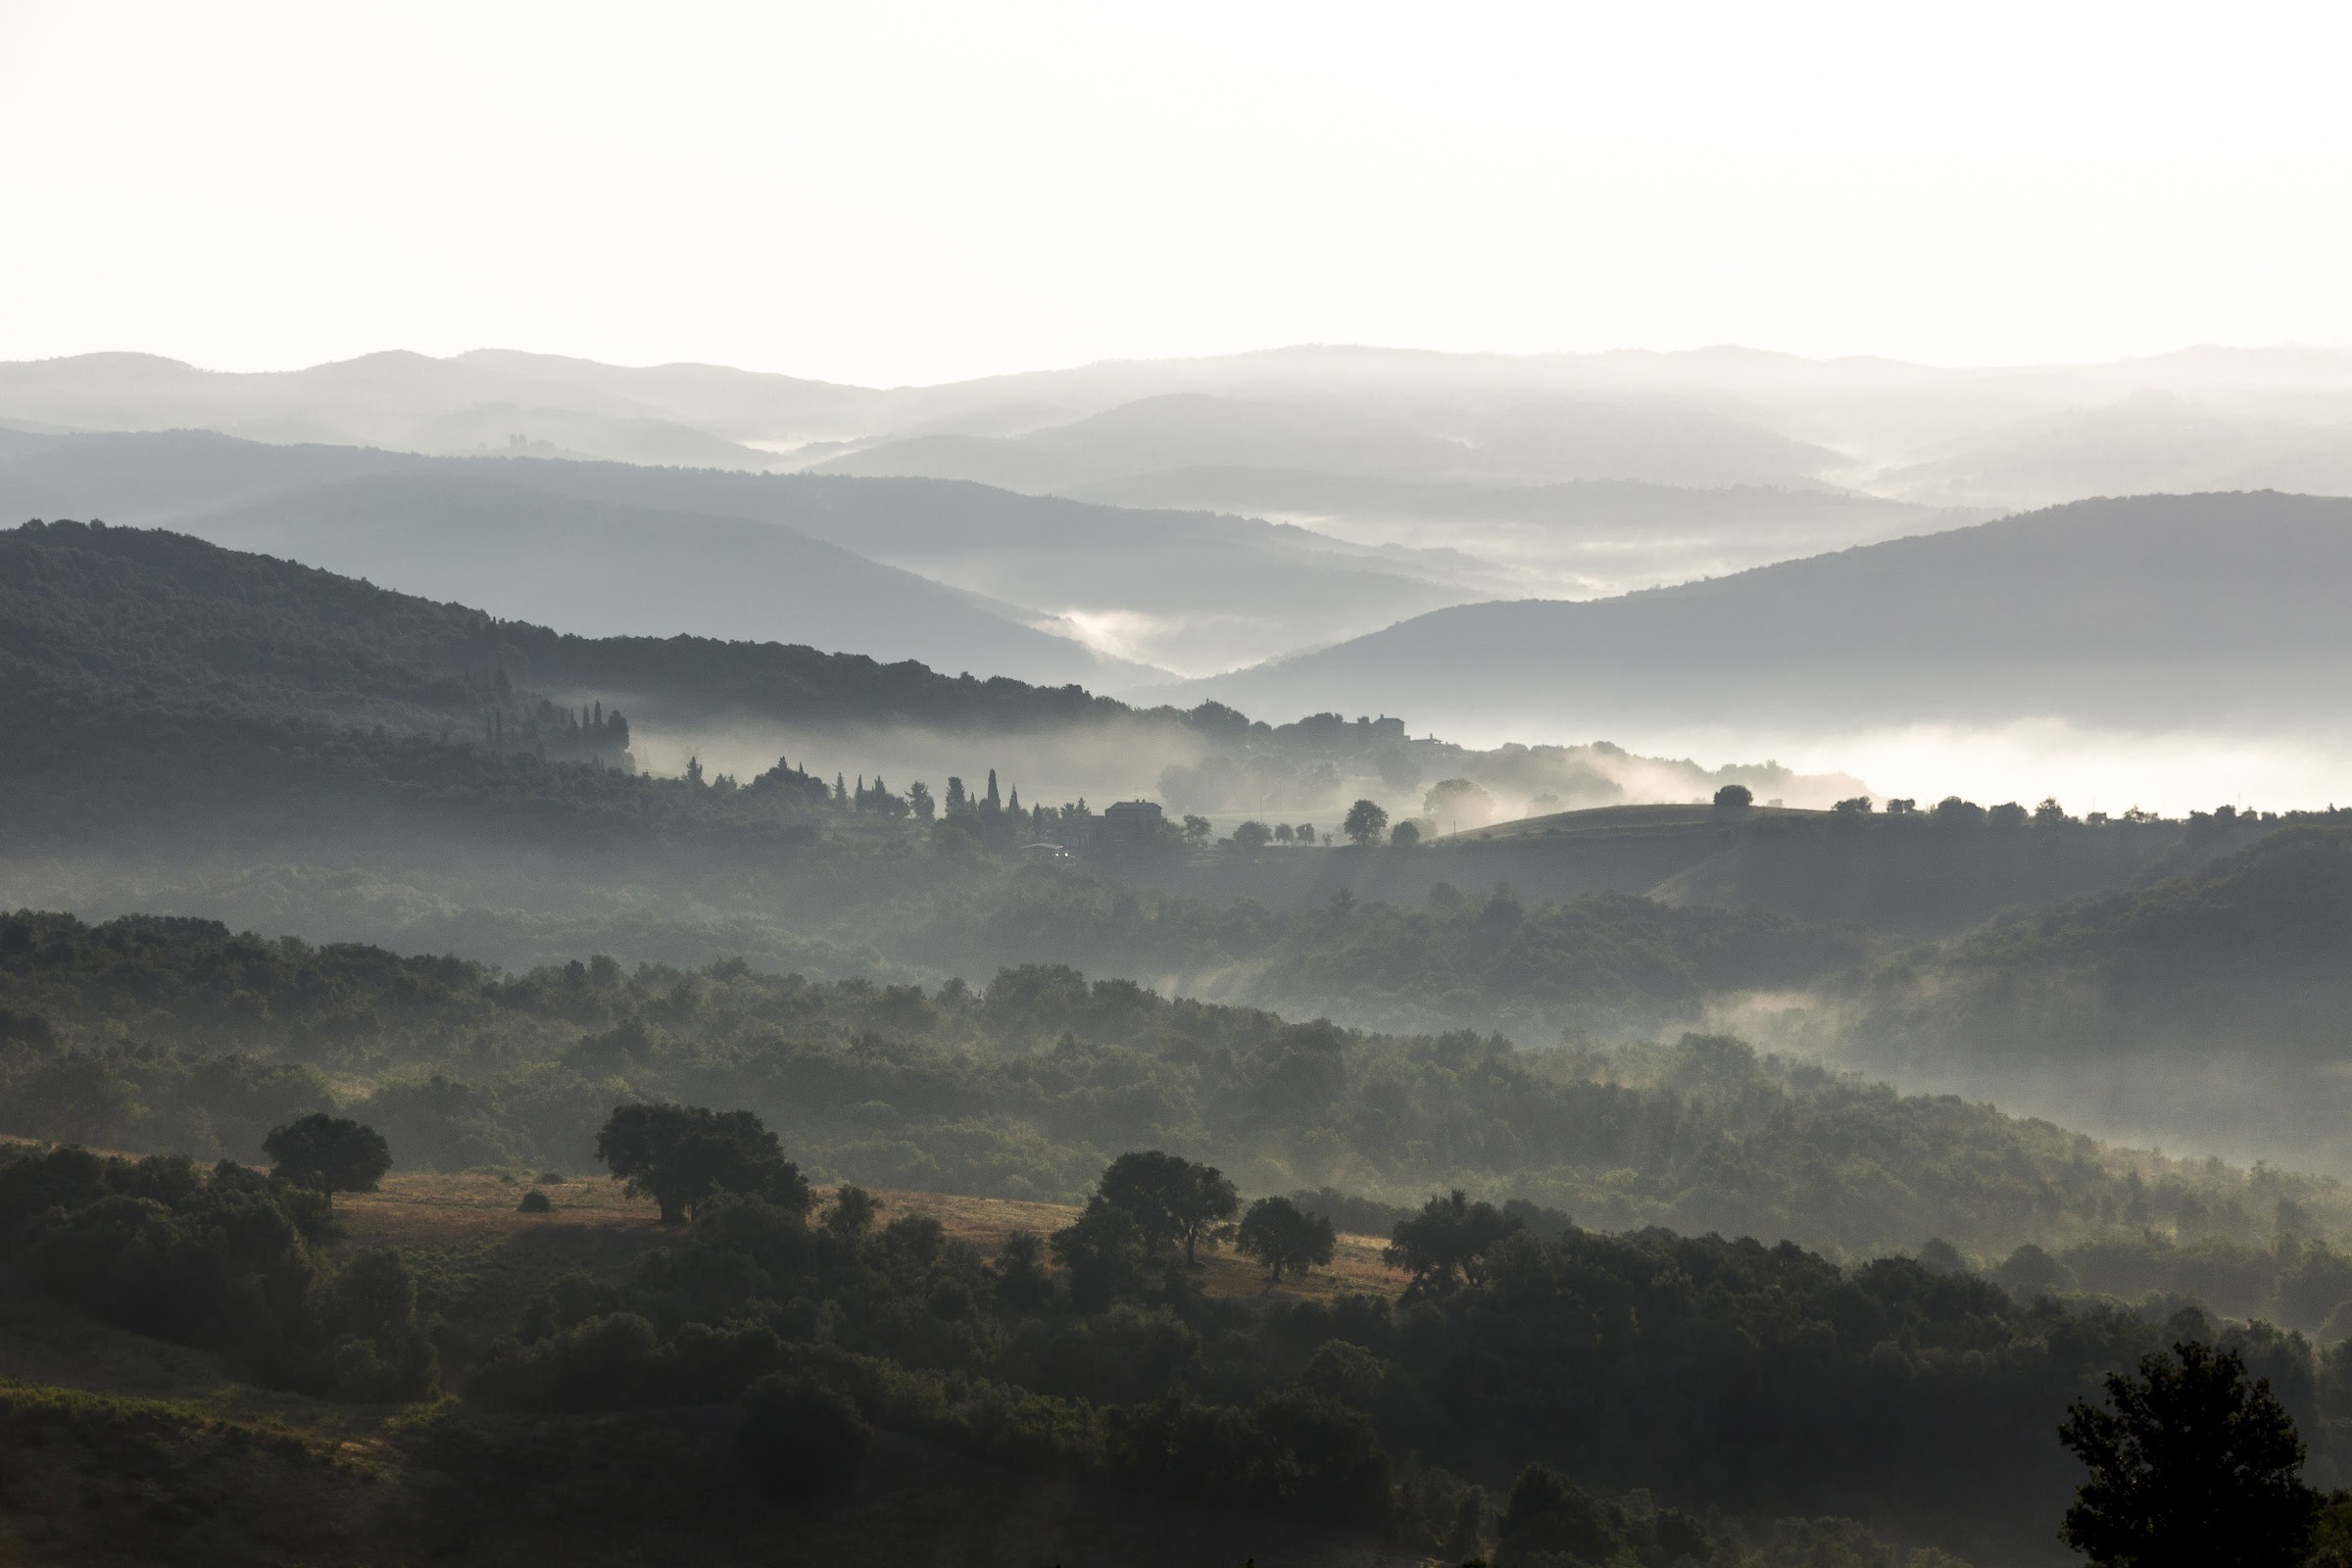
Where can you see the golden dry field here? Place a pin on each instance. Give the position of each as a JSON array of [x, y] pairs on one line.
[[591, 1213]]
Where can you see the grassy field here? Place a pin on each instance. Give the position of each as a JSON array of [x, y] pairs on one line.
[[594, 1225], [1611, 820]]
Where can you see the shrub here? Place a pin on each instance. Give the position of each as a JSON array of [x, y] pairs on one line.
[[797, 1438]]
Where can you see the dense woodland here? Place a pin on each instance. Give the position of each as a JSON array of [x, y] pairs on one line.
[[1527, 1375]]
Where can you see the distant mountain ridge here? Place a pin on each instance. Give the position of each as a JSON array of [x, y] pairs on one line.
[[2147, 612], [1016, 583]]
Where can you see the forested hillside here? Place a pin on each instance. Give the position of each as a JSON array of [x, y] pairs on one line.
[[178, 1035], [2232, 980]]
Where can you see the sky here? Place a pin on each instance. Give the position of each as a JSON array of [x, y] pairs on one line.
[[890, 194]]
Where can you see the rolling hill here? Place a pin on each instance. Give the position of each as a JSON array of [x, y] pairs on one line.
[[2202, 1011], [2160, 612], [1551, 440], [600, 570], [643, 549]]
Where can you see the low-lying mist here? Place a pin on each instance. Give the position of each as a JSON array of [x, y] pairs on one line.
[[2172, 772]]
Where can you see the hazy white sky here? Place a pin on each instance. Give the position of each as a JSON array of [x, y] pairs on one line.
[[899, 193]]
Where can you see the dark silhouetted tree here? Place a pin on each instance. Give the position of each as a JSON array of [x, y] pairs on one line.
[[682, 1155], [851, 1214], [1365, 822], [1172, 1200], [1735, 797], [1446, 1245], [328, 1154], [1104, 1249], [2191, 1466], [1280, 1235], [1019, 1270]]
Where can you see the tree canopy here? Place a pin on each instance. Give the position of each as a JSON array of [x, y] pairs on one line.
[[1279, 1234], [330, 1154], [682, 1155], [2192, 1464]]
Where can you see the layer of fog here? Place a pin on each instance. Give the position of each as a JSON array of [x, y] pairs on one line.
[[2233, 1092], [1188, 773], [2086, 770]]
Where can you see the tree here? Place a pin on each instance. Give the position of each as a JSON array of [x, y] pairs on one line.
[[918, 795], [77, 1097], [1954, 812], [851, 1214], [1282, 833], [1022, 1282], [1458, 800], [1278, 1235], [1104, 1249], [682, 1155], [1306, 832], [1548, 1515], [1446, 1245], [2193, 1465], [1197, 830], [1735, 797], [1171, 1199], [328, 1154], [1404, 836], [1365, 822], [1255, 836], [800, 1438]]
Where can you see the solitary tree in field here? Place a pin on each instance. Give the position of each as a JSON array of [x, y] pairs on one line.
[[1253, 836], [1197, 830], [683, 1154], [1365, 822], [1278, 1235], [1735, 797], [1171, 1199], [1404, 836], [328, 1154], [2191, 1466]]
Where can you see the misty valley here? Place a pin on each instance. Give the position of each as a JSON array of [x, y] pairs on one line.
[[479, 1089]]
